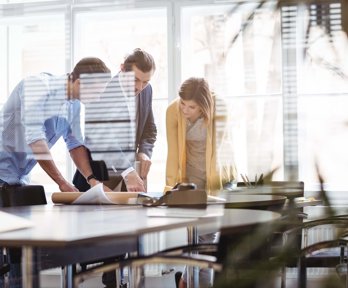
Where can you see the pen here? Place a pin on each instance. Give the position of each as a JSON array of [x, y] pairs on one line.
[[248, 180], [260, 179], [245, 181]]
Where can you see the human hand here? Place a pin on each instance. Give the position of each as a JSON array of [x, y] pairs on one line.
[[145, 164], [134, 182], [67, 187]]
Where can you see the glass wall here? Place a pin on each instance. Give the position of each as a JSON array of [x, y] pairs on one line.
[[282, 72], [323, 97]]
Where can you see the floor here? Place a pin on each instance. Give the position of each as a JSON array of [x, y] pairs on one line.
[[51, 279]]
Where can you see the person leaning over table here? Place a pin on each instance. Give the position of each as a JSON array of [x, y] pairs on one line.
[[198, 146], [126, 130], [41, 109]]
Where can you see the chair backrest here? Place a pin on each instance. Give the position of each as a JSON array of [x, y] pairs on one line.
[[289, 189], [100, 171], [22, 195], [287, 184]]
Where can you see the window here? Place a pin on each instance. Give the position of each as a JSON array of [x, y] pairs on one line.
[[323, 96], [283, 72], [243, 70], [112, 34], [33, 45]]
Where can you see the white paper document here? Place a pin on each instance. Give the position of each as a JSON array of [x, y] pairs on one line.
[[10, 222], [215, 199], [97, 195]]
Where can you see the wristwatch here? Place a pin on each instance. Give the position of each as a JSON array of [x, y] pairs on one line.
[[91, 177]]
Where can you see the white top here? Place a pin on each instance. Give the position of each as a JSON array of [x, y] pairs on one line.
[[196, 141]]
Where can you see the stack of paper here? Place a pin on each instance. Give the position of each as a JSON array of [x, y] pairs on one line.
[[11, 222]]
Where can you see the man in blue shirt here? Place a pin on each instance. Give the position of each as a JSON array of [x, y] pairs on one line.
[[39, 111]]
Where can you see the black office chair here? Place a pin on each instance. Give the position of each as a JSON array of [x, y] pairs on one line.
[[11, 196], [99, 170], [302, 257], [340, 263], [211, 256], [292, 217], [17, 195], [148, 260], [232, 262]]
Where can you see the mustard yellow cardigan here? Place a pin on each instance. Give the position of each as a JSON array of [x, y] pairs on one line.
[[217, 173]]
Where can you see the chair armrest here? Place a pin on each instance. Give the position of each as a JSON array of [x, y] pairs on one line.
[[200, 261], [195, 248]]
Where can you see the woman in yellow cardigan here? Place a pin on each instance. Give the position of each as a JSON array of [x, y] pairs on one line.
[[197, 138], [197, 142]]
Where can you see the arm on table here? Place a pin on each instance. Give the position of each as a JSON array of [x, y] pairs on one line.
[[80, 157], [44, 158]]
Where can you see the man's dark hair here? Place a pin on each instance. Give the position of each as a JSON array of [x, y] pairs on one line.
[[141, 59], [88, 65]]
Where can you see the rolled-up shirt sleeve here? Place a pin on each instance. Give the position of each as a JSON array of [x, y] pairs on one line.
[[73, 136], [72, 142]]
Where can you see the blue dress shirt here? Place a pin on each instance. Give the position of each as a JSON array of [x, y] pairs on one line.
[[37, 109]]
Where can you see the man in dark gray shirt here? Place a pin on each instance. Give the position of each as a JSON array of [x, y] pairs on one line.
[[120, 128]]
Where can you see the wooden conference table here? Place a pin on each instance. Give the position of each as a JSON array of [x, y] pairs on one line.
[[76, 233]]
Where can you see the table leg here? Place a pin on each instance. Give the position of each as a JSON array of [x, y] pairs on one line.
[[28, 263], [138, 273], [131, 272], [119, 276], [192, 272], [67, 276]]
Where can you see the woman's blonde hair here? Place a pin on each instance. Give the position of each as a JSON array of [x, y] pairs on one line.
[[197, 90]]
